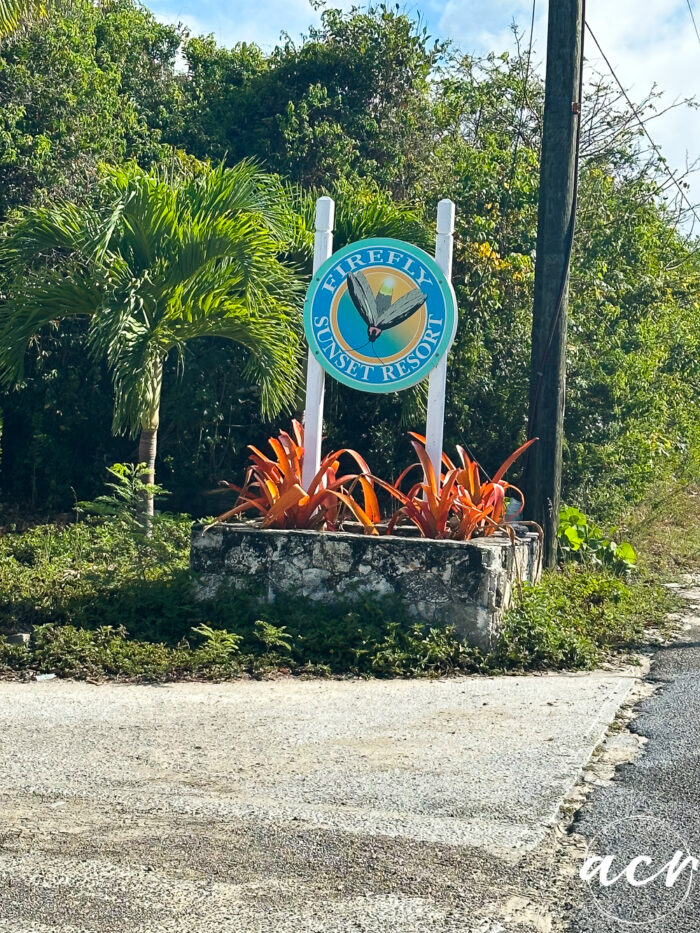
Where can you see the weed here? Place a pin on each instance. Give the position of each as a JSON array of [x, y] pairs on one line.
[[573, 618], [582, 540]]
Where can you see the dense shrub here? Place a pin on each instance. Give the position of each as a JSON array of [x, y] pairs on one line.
[[573, 618]]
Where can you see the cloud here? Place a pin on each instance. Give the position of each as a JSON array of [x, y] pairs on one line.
[[647, 43], [478, 29], [262, 21], [659, 48]]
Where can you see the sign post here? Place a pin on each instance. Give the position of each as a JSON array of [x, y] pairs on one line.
[[435, 420], [315, 376], [380, 316]]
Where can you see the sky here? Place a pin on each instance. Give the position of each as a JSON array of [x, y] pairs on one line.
[[648, 42]]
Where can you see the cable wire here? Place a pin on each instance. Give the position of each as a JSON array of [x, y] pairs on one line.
[[640, 121], [526, 78], [692, 16], [570, 238]]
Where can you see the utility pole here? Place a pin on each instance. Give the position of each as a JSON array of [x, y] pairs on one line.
[[555, 232]]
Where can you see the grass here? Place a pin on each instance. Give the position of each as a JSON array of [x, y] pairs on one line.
[[577, 618], [103, 601], [666, 532]]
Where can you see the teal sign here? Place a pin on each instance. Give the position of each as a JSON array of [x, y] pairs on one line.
[[379, 315]]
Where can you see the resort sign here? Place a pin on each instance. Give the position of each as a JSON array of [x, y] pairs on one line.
[[379, 315]]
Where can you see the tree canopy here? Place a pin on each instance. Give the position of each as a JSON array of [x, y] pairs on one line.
[[371, 109]]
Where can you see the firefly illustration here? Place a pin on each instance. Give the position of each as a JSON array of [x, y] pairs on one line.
[[380, 313]]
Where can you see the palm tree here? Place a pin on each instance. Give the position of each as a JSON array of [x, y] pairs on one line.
[[163, 259], [13, 12]]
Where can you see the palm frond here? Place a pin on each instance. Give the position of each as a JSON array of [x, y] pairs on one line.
[[358, 215], [166, 258], [33, 303], [243, 189], [42, 234], [13, 12]]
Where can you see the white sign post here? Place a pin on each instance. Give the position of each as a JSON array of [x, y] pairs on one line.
[[385, 255], [436, 381], [315, 376]]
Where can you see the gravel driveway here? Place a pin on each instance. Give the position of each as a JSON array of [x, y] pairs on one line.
[[289, 805]]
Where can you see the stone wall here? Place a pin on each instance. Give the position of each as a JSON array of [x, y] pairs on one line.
[[467, 584]]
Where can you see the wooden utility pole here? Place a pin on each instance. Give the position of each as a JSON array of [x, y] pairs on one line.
[[555, 231]]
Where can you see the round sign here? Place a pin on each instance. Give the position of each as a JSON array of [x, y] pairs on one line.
[[379, 315]]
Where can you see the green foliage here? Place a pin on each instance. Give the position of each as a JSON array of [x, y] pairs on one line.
[[634, 336], [167, 256], [13, 657], [368, 108], [582, 540], [107, 652], [96, 573], [666, 531], [350, 101], [219, 646], [99, 607], [14, 12], [411, 650], [273, 636], [84, 83], [365, 106], [124, 504], [56, 427], [573, 618]]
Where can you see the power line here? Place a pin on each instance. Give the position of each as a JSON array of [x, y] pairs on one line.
[[526, 78], [670, 174], [640, 121], [692, 16]]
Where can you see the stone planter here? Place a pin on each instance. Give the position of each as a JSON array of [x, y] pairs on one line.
[[467, 584]]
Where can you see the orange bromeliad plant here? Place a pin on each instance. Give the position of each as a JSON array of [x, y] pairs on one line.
[[459, 506], [273, 487]]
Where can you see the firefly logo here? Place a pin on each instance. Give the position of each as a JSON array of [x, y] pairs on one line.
[[379, 315]]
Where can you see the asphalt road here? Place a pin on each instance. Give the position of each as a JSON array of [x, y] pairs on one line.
[[652, 808]]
